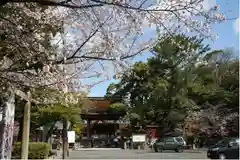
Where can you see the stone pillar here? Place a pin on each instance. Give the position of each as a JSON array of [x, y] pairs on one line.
[[7, 110]]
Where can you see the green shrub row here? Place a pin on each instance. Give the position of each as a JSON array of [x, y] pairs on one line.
[[37, 150]]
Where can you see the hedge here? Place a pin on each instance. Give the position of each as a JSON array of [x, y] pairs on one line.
[[37, 150]]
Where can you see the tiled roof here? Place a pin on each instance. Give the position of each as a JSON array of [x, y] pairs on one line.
[[99, 105]]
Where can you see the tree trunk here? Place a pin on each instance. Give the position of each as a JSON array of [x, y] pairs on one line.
[[7, 126]]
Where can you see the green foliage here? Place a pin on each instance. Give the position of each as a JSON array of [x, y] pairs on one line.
[[37, 150], [217, 82], [111, 89], [55, 106], [182, 77], [78, 127], [118, 108], [158, 86]]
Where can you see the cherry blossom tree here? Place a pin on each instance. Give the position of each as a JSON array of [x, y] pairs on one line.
[[103, 36], [25, 49], [100, 37]]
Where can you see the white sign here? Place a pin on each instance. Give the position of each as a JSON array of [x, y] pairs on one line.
[[139, 138], [71, 136]]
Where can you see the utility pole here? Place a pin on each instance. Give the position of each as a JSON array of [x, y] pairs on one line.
[[65, 90], [65, 139]]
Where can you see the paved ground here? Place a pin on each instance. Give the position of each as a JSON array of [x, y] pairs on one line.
[[135, 154]]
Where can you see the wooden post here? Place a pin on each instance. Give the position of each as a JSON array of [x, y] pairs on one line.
[[88, 133], [26, 128]]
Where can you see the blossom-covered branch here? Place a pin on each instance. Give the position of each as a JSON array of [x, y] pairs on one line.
[[111, 31]]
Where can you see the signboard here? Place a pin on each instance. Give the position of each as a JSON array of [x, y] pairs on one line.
[[71, 136], [139, 138]]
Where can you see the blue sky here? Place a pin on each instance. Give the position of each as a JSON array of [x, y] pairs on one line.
[[228, 38]]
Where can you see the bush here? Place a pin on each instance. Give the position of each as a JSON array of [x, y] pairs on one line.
[[37, 150]]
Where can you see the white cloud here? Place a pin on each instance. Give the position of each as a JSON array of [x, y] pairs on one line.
[[236, 26]]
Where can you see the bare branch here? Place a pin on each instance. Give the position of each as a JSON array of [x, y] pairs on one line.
[[127, 6], [51, 3], [82, 45], [98, 3]]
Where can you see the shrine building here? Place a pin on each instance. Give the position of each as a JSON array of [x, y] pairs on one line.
[[100, 122]]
